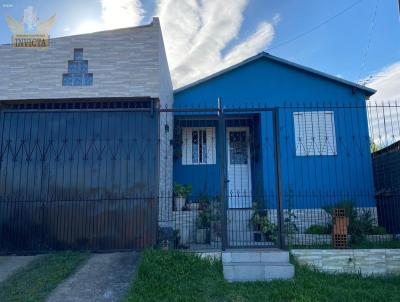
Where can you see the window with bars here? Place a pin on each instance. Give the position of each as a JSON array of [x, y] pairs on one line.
[[198, 146], [314, 133]]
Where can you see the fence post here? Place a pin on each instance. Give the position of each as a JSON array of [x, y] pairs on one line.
[[278, 179], [223, 180]]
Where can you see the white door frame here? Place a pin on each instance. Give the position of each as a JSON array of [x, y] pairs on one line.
[[247, 201]]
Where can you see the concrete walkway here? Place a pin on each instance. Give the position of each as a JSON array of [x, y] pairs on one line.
[[10, 264], [105, 277]]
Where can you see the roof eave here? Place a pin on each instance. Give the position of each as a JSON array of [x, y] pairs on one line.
[[368, 91]]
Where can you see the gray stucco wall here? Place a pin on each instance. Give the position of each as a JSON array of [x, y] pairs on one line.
[[166, 149], [124, 63]]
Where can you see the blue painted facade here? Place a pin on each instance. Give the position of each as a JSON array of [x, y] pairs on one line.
[[268, 83]]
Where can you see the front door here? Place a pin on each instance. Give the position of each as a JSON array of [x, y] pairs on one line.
[[239, 168]]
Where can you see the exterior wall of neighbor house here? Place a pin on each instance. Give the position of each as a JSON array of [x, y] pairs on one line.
[[124, 63], [270, 84], [129, 62]]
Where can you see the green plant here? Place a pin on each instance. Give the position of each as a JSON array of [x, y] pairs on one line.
[[378, 230], [318, 229], [204, 221], [360, 223], [261, 223], [182, 190]]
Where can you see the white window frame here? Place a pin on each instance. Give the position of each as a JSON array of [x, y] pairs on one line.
[[315, 133], [187, 146]]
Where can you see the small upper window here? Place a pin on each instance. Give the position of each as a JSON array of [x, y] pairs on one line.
[[198, 146], [78, 71], [78, 54], [314, 133]]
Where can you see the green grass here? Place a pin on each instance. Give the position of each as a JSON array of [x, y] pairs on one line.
[[35, 281], [179, 276]]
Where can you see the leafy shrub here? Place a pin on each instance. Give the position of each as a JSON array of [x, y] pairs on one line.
[[378, 230], [318, 229], [361, 223]]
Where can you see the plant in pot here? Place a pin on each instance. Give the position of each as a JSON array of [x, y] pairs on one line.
[[263, 228], [203, 227], [181, 192]]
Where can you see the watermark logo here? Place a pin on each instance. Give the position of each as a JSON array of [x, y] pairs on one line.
[[30, 33]]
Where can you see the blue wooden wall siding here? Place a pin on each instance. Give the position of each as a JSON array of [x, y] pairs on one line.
[[205, 179], [311, 181]]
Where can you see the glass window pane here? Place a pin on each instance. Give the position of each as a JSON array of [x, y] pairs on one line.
[[78, 54], [238, 148], [195, 147], [204, 147]]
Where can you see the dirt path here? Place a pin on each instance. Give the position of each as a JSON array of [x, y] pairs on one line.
[[105, 277], [10, 264]]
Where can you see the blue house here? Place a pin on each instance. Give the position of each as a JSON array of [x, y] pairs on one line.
[[287, 128]]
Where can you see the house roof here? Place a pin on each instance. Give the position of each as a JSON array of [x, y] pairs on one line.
[[368, 91]]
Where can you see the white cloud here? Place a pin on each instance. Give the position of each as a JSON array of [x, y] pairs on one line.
[[386, 82], [257, 41], [89, 26], [114, 14], [276, 19], [384, 119], [121, 13], [196, 32]]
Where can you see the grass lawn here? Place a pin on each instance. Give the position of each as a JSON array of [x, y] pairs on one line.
[[35, 281], [179, 276]]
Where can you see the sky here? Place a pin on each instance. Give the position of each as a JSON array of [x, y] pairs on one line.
[[358, 40]]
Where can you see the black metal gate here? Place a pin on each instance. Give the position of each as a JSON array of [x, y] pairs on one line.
[[78, 176], [218, 155]]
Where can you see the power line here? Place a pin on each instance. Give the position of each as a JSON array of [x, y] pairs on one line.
[[371, 31], [316, 27]]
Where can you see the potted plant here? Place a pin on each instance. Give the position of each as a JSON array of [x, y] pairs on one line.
[[262, 227], [203, 227], [181, 192]]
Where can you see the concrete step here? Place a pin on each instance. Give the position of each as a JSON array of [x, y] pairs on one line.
[[256, 265], [256, 271], [256, 256]]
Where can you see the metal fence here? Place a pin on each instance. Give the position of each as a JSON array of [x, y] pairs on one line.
[[128, 175], [290, 176]]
